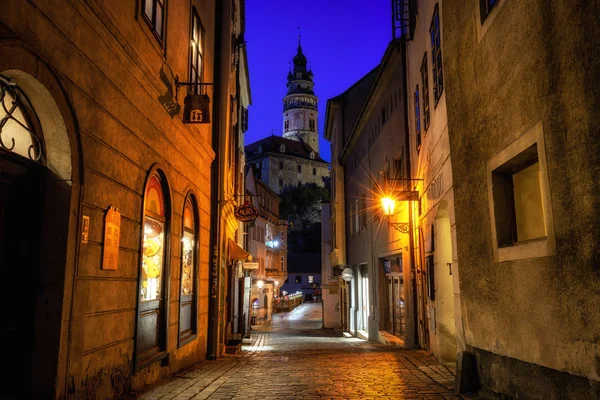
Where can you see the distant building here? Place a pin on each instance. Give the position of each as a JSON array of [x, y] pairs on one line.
[[267, 243], [293, 159]]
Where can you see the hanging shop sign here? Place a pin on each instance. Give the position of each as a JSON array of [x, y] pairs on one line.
[[246, 213], [250, 265], [347, 274], [112, 237]]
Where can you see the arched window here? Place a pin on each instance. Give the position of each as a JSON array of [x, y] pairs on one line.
[[17, 119], [188, 320], [153, 281]]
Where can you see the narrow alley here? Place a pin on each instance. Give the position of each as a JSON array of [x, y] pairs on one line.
[[294, 359]]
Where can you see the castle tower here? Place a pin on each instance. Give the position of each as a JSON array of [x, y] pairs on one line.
[[300, 115]]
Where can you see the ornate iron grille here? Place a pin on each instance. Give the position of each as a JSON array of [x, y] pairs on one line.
[[14, 122]]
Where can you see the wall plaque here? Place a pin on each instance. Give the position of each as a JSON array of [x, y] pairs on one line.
[[112, 234], [85, 229]]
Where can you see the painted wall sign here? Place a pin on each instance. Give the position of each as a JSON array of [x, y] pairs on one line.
[[112, 238], [246, 213], [436, 188]]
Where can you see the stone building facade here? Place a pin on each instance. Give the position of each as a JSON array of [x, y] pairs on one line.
[[521, 83], [112, 304]]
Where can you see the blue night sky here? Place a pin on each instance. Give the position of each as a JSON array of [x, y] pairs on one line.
[[342, 39]]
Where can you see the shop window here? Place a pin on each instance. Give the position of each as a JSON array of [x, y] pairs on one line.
[[153, 277], [196, 52], [311, 279], [520, 200], [189, 260], [154, 15]]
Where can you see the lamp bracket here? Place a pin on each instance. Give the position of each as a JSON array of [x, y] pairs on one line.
[[402, 227], [178, 84]]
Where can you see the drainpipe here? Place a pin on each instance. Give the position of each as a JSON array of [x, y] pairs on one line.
[[411, 238], [215, 207]]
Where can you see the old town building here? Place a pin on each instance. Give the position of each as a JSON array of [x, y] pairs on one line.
[[366, 126], [293, 159], [267, 243], [440, 324], [128, 283], [521, 85]]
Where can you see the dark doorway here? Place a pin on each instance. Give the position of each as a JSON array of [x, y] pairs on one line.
[[21, 218]]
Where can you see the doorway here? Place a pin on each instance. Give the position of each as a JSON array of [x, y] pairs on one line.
[[21, 217], [444, 340]]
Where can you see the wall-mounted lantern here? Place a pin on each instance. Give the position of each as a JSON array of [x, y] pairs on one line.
[[196, 107], [347, 274]]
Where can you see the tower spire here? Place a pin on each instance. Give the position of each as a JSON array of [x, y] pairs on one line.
[[299, 46]]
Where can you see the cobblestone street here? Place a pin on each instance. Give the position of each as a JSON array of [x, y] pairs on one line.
[[292, 359]]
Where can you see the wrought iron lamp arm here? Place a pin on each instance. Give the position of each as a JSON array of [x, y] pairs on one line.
[[179, 84]]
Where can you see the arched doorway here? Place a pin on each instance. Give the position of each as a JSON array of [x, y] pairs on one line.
[[445, 332], [39, 207]]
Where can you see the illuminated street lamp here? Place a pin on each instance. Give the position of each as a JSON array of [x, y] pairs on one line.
[[260, 284], [388, 205]]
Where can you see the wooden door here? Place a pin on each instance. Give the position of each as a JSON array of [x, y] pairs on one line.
[[21, 217]]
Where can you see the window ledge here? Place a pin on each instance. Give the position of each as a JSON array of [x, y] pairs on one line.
[[534, 248]]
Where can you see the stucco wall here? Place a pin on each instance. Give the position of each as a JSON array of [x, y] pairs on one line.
[[532, 62]]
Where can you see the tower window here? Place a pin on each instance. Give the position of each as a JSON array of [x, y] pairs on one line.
[[280, 164], [311, 124], [314, 171], [287, 125], [299, 168], [280, 182]]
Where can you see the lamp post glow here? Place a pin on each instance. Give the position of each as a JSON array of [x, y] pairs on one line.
[[260, 284], [388, 205]]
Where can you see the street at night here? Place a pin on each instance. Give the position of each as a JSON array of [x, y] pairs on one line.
[[294, 359], [268, 199]]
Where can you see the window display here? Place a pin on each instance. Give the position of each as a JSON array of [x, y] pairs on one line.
[[152, 262], [154, 242], [187, 250]]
